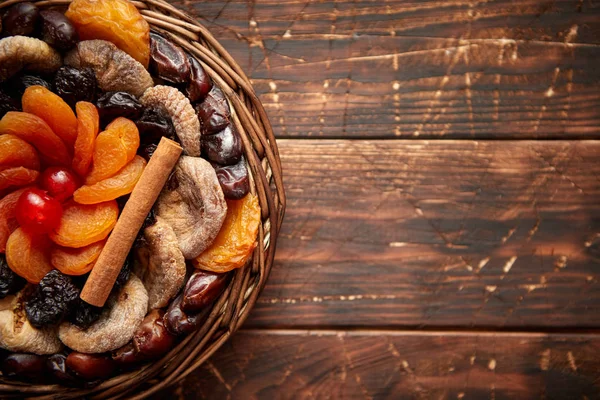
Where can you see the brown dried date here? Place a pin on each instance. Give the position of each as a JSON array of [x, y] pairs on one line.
[[178, 322], [22, 365], [224, 148], [90, 366], [213, 112], [202, 289], [200, 83], [57, 30], [21, 19], [168, 61], [127, 355], [57, 365], [233, 179]]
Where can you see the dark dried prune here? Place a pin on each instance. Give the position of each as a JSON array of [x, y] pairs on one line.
[[57, 30], [75, 85], [178, 322], [112, 105], [51, 300], [202, 289], [123, 276], [200, 83], [21, 19], [83, 314], [90, 366], [9, 281], [57, 365], [233, 179], [224, 148], [16, 86], [147, 150], [168, 61], [22, 365], [7, 104], [154, 124], [213, 112]]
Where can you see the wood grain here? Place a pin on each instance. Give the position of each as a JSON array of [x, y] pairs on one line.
[[495, 234], [392, 365], [459, 69]]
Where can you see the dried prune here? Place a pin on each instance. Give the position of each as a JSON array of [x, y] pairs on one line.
[[202, 289], [168, 61], [83, 314], [123, 276], [118, 104], [57, 30], [22, 365], [57, 365], [21, 19], [178, 322], [154, 124], [17, 85], [7, 104], [147, 150], [51, 300], [200, 83], [213, 112], [9, 281], [224, 148], [75, 85], [90, 366], [233, 179]]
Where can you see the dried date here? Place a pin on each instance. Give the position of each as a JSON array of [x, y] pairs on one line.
[[213, 112], [202, 289], [233, 179], [168, 61], [223, 148], [200, 83]]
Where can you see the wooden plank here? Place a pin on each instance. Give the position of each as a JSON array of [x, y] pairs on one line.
[[429, 69], [439, 233], [391, 365]]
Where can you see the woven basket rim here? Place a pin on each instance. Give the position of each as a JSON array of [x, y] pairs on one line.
[[262, 156]]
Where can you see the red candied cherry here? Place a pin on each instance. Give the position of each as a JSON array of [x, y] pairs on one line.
[[60, 182], [37, 212]]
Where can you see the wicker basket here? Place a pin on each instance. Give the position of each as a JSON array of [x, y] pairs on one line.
[[234, 305]]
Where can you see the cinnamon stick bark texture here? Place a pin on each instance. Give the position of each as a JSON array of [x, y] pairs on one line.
[[102, 278]]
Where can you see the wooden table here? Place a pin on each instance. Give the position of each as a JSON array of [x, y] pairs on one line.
[[442, 236]]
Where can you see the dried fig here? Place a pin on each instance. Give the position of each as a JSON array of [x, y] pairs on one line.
[[194, 206], [123, 314], [160, 265], [17, 334], [116, 71], [20, 52], [178, 107]]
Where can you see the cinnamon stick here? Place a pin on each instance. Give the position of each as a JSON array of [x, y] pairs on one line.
[[102, 278]]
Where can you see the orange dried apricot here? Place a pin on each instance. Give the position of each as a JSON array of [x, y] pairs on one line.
[[117, 21], [35, 131], [114, 148], [15, 152], [17, 176], [8, 220], [28, 256], [76, 261], [111, 188], [237, 238], [88, 125], [82, 224], [38, 100]]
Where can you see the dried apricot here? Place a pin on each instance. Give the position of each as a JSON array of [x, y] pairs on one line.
[[17, 176], [117, 21], [88, 125], [82, 224], [8, 220], [114, 148], [15, 152], [76, 261], [28, 256], [236, 239], [111, 188], [38, 100], [35, 131]]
